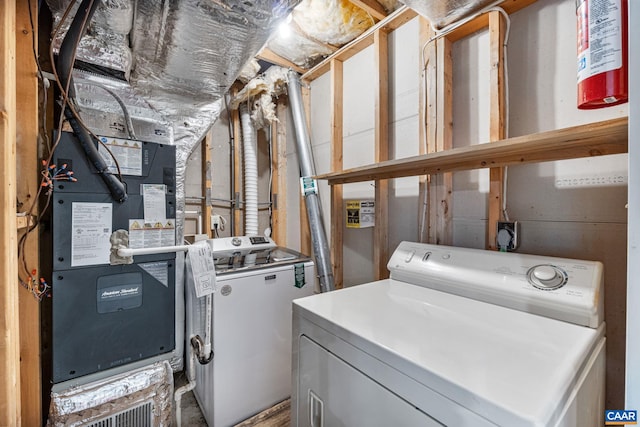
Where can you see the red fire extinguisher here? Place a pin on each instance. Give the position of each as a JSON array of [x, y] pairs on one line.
[[602, 53]]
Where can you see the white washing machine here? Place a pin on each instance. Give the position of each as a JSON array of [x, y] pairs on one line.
[[250, 318], [456, 337]]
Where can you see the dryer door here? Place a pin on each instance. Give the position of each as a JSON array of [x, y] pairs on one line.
[[334, 393]]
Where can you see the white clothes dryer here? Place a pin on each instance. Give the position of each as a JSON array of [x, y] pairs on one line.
[[456, 337]]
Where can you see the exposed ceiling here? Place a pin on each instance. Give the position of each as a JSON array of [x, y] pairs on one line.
[[181, 56]]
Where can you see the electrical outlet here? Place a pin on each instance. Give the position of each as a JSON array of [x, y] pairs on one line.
[[507, 236]]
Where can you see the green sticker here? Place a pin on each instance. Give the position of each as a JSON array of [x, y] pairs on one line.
[[299, 274], [308, 185]]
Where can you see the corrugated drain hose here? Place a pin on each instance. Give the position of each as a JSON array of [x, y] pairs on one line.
[[65, 64]]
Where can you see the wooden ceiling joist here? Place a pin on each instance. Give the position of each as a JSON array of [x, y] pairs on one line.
[[372, 7], [272, 57]]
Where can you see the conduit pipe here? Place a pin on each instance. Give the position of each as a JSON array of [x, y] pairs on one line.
[[250, 172], [307, 170]]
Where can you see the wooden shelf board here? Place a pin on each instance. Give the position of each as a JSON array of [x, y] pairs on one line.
[[594, 139]]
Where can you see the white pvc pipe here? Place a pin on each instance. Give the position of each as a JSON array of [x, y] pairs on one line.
[[127, 252], [249, 143], [207, 327], [198, 215]]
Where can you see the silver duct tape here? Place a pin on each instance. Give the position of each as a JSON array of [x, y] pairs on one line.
[[93, 402], [442, 13]]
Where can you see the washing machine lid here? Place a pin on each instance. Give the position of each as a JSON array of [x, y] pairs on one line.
[[511, 367]]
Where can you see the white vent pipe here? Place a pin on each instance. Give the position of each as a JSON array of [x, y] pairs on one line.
[[249, 143]]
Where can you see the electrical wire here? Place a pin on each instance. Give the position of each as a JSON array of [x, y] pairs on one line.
[[127, 118], [505, 61], [270, 177], [425, 61], [38, 288]]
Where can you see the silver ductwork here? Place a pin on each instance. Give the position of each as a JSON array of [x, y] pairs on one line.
[[442, 13], [312, 200]]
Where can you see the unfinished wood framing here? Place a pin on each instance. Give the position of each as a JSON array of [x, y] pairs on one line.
[[272, 57], [381, 229], [590, 140], [337, 202], [497, 121], [279, 184], [481, 22], [397, 19], [440, 134], [10, 387], [372, 7], [27, 189], [205, 150]]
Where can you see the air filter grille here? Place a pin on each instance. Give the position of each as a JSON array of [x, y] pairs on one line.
[[139, 416]]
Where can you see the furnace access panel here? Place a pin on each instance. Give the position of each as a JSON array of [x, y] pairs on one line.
[[103, 316]]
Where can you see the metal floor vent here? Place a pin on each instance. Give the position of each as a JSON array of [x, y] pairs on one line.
[[139, 416]]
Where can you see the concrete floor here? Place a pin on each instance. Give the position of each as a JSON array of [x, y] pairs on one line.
[[191, 416]]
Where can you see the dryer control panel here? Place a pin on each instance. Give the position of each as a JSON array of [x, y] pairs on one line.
[[560, 288]]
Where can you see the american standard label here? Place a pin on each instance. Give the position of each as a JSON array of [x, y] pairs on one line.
[[123, 292], [118, 298]]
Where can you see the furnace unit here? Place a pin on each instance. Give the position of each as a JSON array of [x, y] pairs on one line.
[[104, 316]]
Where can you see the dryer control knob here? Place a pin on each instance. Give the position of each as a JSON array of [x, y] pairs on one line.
[[544, 272], [546, 277], [236, 241]]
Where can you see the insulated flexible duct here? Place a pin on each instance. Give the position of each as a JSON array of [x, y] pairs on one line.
[[65, 64], [307, 170], [250, 173]]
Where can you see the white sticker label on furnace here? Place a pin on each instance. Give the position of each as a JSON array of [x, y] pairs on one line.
[[91, 225], [127, 152]]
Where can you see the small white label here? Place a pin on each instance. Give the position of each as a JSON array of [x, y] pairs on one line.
[[143, 234], [203, 269], [127, 152], [91, 228], [155, 203], [158, 270], [602, 52]]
